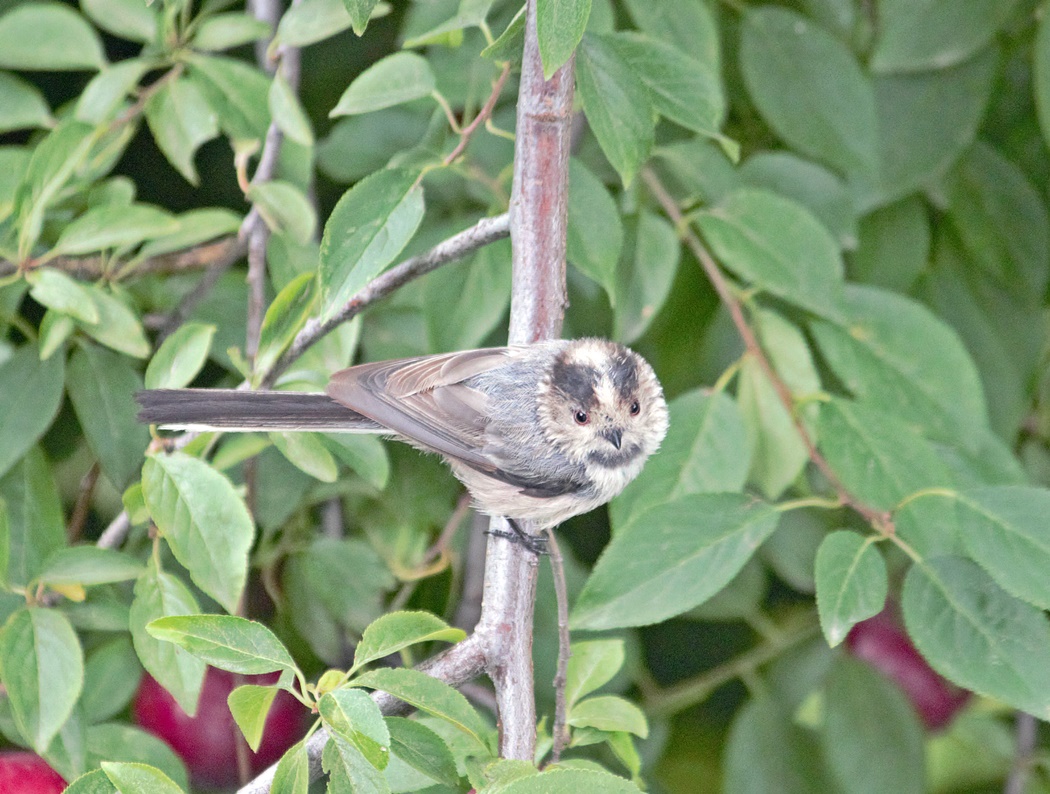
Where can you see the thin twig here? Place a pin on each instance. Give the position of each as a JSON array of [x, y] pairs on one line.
[[561, 593], [466, 242], [83, 503], [212, 254], [879, 519], [1026, 730], [483, 115]]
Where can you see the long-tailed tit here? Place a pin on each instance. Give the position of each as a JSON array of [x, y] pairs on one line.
[[540, 432]]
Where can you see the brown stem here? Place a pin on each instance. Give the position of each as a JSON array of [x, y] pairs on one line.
[[82, 504], [561, 591], [483, 114], [879, 519], [485, 231]]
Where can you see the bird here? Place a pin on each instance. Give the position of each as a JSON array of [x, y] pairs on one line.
[[536, 432]]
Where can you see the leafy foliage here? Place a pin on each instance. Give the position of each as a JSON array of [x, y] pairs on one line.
[[825, 224]]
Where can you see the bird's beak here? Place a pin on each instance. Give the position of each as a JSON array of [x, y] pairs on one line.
[[613, 435]]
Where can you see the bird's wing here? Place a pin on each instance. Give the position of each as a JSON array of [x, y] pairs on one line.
[[425, 400]]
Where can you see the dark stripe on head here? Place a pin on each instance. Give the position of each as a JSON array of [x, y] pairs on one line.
[[625, 373], [575, 381]]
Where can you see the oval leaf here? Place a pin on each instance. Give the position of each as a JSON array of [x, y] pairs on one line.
[[225, 641], [672, 558], [204, 522], [180, 357], [393, 80], [398, 630], [48, 37], [851, 583]]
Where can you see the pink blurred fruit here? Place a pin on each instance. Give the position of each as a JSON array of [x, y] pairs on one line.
[[27, 773], [207, 742], [882, 642]]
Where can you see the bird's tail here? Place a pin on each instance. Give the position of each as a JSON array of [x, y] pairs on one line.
[[236, 410]]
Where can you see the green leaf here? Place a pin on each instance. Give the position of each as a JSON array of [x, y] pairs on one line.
[[768, 751], [617, 105], [307, 453], [423, 750], [851, 583], [56, 290], [1004, 529], [159, 594], [236, 91], [877, 456], [94, 782], [204, 522], [1041, 74], [284, 319], [288, 113], [225, 641], [311, 21], [933, 386], [106, 91], [570, 781], [48, 37], [429, 695], [595, 234], [469, 14], [370, 225], [180, 357], [55, 330], [396, 631], [111, 677], [609, 713], [354, 716], [22, 376], [778, 246], [683, 89], [117, 327], [809, 88], [293, 771], [113, 226], [126, 743], [181, 120], [932, 34], [360, 12], [393, 80], [285, 209], [102, 387], [671, 558], [690, 25], [126, 19], [645, 275], [925, 122], [42, 668], [53, 163], [1001, 220], [365, 454], [195, 227], [592, 664], [871, 737], [779, 453], [508, 45], [88, 565], [708, 451], [36, 525], [974, 633], [232, 29], [249, 704], [894, 246], [559, 28], [139, 779], [813, 186], [22, 106], [5, 544], [348, 771]]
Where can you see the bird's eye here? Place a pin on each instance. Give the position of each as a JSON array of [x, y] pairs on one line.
[[581, 417], [635, 408]]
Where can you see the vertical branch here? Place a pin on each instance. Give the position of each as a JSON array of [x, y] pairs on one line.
[[538, 214]]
